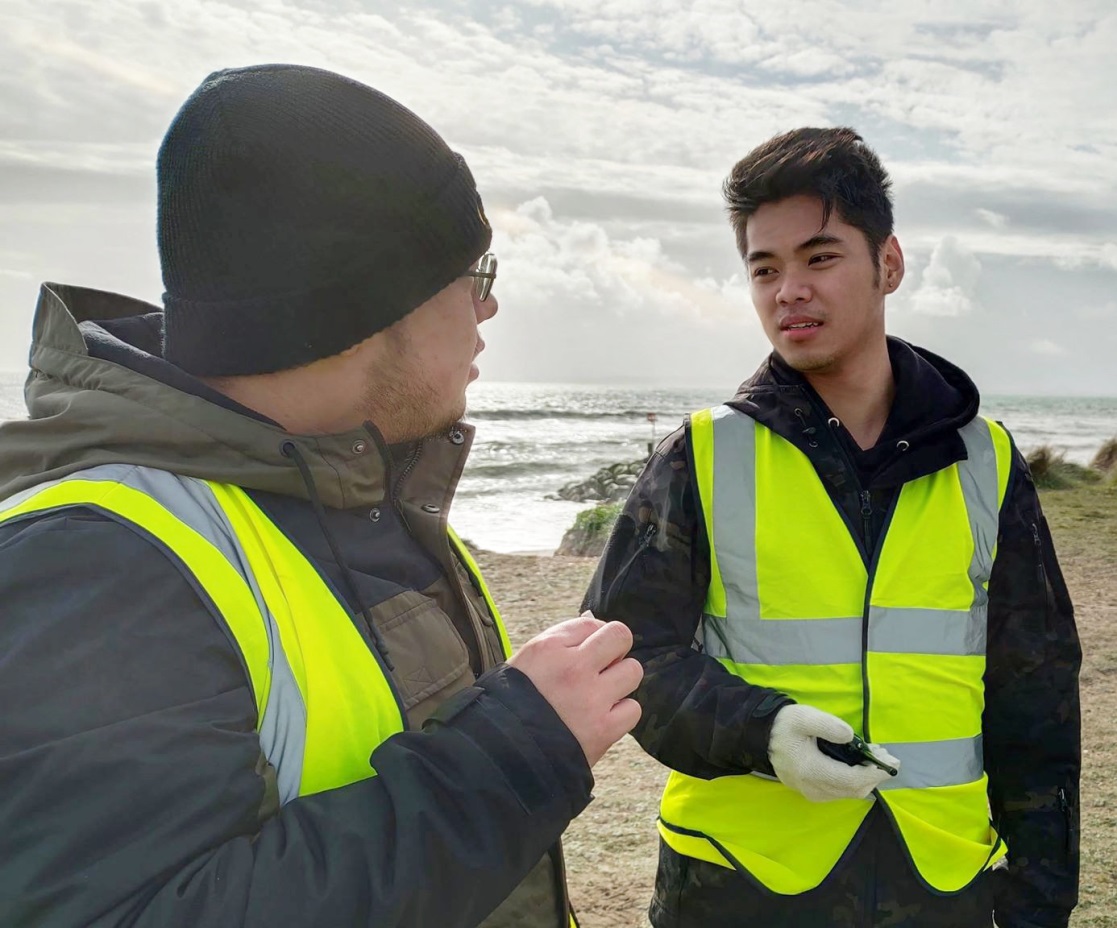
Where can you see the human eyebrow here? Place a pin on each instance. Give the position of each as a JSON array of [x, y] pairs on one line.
[[818, 241], [815, 241]]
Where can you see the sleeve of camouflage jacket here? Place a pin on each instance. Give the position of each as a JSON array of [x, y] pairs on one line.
[[697, 717], [1031, 725], [133, 791]]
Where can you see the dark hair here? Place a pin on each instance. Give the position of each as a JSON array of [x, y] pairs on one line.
[[834, 165]]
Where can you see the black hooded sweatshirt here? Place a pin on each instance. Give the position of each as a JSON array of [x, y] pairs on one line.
[[705, 722]]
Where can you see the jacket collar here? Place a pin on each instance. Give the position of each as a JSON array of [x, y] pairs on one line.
[[934, 399], [99, 394]]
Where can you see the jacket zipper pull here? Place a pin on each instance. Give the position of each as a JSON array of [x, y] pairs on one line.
[[645, 539], [1064, 807], [1041, 574], [866, 515]]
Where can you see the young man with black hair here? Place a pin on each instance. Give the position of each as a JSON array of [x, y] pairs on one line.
[[860, 656]]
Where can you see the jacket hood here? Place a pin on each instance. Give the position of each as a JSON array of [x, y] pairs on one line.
[[99, 392], [933, 399]]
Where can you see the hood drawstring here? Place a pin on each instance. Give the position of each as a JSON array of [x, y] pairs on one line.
[[392, 481], [808, 430], [290, 450]]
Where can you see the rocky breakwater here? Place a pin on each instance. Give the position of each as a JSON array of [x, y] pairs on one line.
[[609, 487]]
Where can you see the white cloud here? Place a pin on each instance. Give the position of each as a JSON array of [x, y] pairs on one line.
[[992, 218], [949, 281], [1047, 348], [623, 115], [579, 262], [594, 305]]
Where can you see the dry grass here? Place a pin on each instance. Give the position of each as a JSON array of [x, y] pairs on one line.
[[611, 848], [1106, 458], [1052, 471]]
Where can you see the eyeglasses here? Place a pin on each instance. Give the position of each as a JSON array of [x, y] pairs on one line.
[[483, 276]]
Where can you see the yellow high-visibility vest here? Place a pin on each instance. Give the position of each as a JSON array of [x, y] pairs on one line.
[[892, 641], [324, 702]]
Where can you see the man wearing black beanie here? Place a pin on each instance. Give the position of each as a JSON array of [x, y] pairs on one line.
[[250, 674]]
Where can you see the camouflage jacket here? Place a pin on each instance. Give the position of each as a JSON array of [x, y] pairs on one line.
[[705, 722]]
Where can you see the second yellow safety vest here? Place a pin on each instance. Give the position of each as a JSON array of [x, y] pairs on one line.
[[891, 641]]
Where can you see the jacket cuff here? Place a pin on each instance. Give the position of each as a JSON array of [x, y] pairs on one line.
[[757, 733], [510, 720]]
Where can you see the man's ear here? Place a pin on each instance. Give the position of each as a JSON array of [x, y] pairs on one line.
[[892, 264]]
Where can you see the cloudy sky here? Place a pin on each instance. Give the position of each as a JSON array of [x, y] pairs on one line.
[[599, 132]]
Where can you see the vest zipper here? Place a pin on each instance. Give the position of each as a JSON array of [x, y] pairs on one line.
[[869, 557], [645, 539], [866, 515]]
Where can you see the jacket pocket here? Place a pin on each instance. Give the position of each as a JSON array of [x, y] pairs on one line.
[[430, 658]]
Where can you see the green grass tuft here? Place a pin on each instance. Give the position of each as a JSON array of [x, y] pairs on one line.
[[598, 519]]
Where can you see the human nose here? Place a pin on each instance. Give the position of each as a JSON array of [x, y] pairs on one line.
[[487, 309], [793, 289]]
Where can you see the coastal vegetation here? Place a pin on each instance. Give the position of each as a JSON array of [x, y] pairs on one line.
[[1052, 471], [590, 532]]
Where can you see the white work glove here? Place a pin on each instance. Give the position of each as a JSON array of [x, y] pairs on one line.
[[793, 750]]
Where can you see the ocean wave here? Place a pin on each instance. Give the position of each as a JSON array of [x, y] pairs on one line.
[[490, 415], [512, 469]]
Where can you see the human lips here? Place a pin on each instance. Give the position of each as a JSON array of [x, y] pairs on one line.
[[799, 329], [474, 370], [799, 324]]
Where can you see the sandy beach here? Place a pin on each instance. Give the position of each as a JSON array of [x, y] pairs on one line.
[[611, 848]]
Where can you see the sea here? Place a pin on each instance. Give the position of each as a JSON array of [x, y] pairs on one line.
[[533, 438]]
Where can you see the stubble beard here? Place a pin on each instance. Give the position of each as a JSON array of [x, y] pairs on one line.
[[404, 406], [813, 365]]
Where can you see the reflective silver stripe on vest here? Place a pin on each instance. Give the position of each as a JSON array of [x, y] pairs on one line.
[[784, 641], [734, 537], [937, 763], [981, 489], [838, 641], [927, 631], [283, 721]]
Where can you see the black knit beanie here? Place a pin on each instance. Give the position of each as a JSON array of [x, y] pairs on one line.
[[300, 212]]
